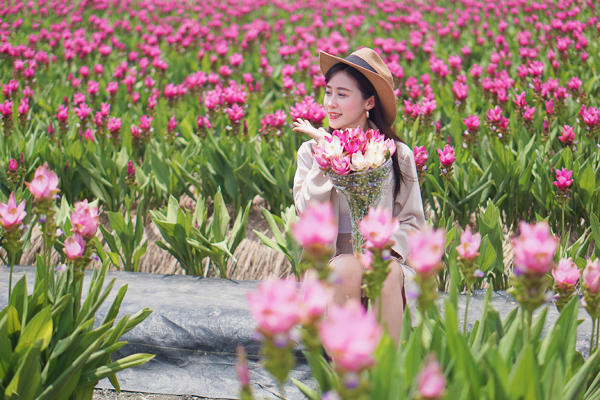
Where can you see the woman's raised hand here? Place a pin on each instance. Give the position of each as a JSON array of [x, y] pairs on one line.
[[302, 125]]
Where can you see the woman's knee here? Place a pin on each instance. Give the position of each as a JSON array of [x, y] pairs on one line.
[[395, 279], [347, 268]]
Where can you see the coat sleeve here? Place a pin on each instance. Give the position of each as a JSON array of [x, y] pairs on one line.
[[408, 206], [310, 182]]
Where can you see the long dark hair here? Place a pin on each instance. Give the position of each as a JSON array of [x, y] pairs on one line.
[[375, 114]]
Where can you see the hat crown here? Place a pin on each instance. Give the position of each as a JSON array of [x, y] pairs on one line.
[[371, 57]]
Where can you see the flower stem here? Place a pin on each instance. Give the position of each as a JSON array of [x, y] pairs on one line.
[[445, 198], [12, 264], [592, 335], [467, 309], [597, 330]]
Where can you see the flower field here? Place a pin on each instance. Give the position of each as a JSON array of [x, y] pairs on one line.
[[118, 111], [151, 101]]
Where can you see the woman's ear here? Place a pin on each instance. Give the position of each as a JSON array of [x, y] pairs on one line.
[[370, 102]]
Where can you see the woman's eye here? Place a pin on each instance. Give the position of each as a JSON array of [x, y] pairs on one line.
[[342, 95], [328, 94]]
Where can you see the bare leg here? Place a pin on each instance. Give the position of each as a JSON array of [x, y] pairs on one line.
[[349, 271], [392, 305]]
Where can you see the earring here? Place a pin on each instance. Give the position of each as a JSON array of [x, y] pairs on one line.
[[367, 114]]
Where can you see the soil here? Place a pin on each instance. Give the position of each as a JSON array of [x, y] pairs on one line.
[[106, 394]]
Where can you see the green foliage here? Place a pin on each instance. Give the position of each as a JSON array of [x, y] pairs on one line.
[[283, 242], [125, 242], [191, 237], [49, 348]]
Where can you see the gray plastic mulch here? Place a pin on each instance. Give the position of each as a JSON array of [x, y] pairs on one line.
[[197, 324]]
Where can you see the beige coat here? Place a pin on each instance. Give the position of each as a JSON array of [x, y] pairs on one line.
[[311, 184]]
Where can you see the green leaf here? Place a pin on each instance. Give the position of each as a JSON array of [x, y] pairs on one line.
[[26, 381], [38, 329], [308, 392], [524, 377], [587, 182], [105, 371], [487, 256]]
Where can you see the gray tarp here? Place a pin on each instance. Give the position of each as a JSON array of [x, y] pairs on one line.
[[197, 324]]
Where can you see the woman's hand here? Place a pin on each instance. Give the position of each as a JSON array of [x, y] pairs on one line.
[[302, 125]]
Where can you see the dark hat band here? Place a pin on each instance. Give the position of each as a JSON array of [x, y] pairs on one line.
[[360, 62]]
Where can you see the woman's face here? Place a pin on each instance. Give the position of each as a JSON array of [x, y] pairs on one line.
[[344, 104]]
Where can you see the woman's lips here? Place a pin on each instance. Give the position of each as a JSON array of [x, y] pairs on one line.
[[334, 115]]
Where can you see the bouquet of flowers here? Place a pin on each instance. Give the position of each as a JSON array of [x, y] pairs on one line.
[[359, 164]]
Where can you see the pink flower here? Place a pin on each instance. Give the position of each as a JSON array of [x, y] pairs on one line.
[[85, 219], [350, 335], [44, 184], [567, 135], [431, 381], [341, 165], [11, 214], [172, 124], [275, 306], [472, 122], [567, 273], [321, 158], [421, 156], [426, 250], [13, 164], [460, 90], [447, 156], [591, 276], [574, 83], [236, 113], [469, 244], [114, 125], [314, 297], [534, 248], [563, 179], [74, 246], [89, 135], [316, 225], [378, 226]]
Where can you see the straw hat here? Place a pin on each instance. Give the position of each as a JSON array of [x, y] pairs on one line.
[[372, 66]]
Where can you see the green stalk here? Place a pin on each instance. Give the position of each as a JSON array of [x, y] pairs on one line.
[[445, 198], [467, 309], [597, 330], [592, 335], [12, 264]]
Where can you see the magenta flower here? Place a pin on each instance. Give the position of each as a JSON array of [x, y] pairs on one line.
[[534, 249], [431, 381], [460, 90], [378, 226], [563, 179], [85, 219], [314, 297], [74, 246], [114, 126], [591, 276], [567, 136], [13, 164], [567, 273], [275, 306], [82, 111], [421, 156], [63, 113], [426, 250], [469, 244], [236, 113], [350, 335], [316, 225], [172, 124], [447, 156], [341, 165], [472, 122], [44, 184], [11, 214]]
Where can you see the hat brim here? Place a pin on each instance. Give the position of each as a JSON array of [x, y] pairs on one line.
[[385, 92]]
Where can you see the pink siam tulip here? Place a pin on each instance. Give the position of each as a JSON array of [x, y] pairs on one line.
[[426, 251], [467, 262], [378, 226], [472, 122], [567, 136], [275, 307], [316, 229], [447, 158], [421, 157], [534, 254], [74, 247], [341, 166], [591, 294], [314, 297], [235, 113], [430, 380], [85, 219], [566, 276], [563, 179], [44, 185], [350, 335], [12, 214]]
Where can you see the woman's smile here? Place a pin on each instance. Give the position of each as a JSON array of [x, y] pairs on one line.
[[344, 103]]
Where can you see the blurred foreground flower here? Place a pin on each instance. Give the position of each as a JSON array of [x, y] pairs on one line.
[[534, 254], [566, 276], [431, 381], [275, 307], [316, 230], [427, 248]]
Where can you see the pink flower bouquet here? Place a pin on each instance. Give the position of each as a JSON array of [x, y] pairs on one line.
[[360, 166]]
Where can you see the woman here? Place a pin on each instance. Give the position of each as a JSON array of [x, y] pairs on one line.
[[359, 92]]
